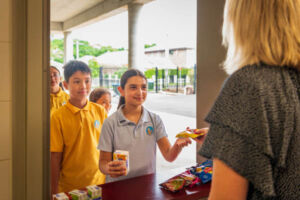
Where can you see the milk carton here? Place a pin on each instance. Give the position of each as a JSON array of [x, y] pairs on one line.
[[122, 155], [79, 195], [60, 196], [94, 192]]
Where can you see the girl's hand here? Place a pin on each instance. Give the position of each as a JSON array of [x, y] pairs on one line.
[[182, 142], [201, 139], [117, 168]]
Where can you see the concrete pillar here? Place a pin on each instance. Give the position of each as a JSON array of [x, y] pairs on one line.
[[210, 55], [135, 43], [68, 47]]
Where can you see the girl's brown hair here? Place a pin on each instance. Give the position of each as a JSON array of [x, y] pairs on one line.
[[97, 94], [128, 74]]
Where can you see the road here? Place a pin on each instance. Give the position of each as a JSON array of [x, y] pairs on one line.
[[179, 104]]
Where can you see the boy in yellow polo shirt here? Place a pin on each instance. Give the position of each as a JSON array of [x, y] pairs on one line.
[[58, 97], [75, 131]]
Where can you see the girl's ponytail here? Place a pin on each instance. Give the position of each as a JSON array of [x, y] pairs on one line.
[[121, 101]]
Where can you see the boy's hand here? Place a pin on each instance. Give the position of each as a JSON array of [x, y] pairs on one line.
[[117, 168], [182, 142]]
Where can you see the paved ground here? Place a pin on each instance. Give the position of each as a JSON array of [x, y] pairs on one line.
[[177, 113], [184, 105]]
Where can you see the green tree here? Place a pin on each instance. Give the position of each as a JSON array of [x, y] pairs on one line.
[[120, 72], [146, 46], [57, 50], [94, 66], [86, 49]]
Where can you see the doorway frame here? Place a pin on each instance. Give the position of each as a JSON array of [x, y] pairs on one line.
[[30, 104]]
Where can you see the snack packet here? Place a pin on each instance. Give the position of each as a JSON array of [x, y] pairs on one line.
[[174, 184], [192, 133], [189, 178], [204, 171], [195, 175]]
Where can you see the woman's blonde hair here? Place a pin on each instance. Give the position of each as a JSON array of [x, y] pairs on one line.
[[265, 31]]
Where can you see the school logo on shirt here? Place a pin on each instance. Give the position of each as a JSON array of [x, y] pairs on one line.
[[96, 123], [149, 130]]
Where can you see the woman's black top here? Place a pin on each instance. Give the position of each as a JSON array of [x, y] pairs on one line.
[[255, 130]]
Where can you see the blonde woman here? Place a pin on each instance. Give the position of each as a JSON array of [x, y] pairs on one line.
[[254, 136]]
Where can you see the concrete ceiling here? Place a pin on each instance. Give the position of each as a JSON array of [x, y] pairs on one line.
[[62, 10], [67, 15]]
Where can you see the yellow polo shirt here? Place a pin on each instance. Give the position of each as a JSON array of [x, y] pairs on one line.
[[75, 132], [57, 100]]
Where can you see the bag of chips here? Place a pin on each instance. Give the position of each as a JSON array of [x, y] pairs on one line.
[[174, 184], [203, 171], [188, 177], [195, 175]]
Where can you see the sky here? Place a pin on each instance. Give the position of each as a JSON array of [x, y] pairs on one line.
[[165, 22]]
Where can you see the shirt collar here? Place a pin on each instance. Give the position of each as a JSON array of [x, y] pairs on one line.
[[75, 109], [122, 120], [58, 94]]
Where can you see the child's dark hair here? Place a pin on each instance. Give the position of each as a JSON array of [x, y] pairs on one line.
[[97, 94], [128, 74], [73, 66]]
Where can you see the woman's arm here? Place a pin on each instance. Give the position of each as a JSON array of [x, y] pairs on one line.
[[226, 183], [201, 139], [169, 152], [109, 167]]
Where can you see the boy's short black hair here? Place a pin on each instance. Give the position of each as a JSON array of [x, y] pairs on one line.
[[73, 66]]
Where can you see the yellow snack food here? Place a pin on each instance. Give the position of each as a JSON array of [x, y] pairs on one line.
[[194, 133]]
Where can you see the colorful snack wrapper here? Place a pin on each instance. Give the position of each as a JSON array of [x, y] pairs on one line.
[[60, 196], [196, 175], [189, 178], [192, 133], [174, 184], [203, 171], [205, 177]]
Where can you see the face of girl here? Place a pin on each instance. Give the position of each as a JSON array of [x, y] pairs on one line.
[[105, 101], [54, 77], [135, 91]]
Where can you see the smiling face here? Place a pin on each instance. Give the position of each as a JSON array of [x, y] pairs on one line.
[[79, 86], [135, 91], [55, 79], [105, 101]]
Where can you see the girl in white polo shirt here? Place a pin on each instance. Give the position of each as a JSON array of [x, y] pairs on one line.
[[134, 129]]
